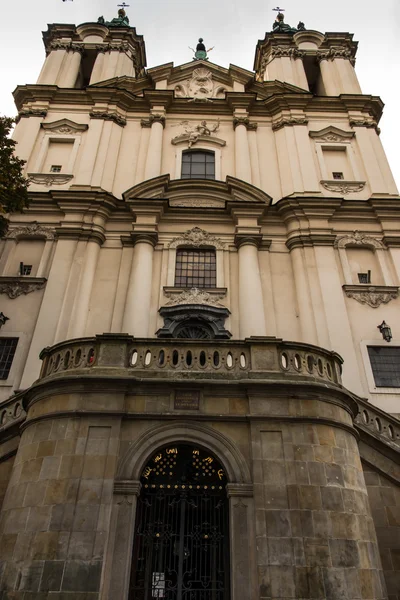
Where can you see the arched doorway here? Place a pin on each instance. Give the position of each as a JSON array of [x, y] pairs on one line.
[[181, 547]]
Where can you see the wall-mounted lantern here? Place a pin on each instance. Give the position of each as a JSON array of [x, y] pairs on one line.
[[385, 331], [3, 319]]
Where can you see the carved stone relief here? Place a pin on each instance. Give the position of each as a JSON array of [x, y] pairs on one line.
[[64, 126], [108, 116], [16, 286], [194, 296], [290, 121], [33, 230], [343, 187], [200, 87], [373, 296], [197, 237], [358, 238], [49, 179], [332, 134], [193, 133]]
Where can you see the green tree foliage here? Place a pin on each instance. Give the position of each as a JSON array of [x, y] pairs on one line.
[[13, 185]]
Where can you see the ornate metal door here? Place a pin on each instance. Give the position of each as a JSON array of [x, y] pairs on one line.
[[181, 548]]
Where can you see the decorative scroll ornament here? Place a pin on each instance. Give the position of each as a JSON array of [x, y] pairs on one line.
[[246, 122], [16, 286], [197, 237], [333, 53], [194, 296], [49, 179], [290, 121], [369, 123], [108, 116], [31, 112], [200, 87], [33, 230], [358, 238], [343, 187], [282, 51], [373, 296], [192, 133]]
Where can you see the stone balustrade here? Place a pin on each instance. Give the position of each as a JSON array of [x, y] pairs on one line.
[[254, 358], [378, 423], [11, 412]]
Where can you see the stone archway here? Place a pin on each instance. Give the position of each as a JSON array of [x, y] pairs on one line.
[[127, 487]]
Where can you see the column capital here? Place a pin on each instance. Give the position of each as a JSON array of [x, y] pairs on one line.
[[333, 53], [142, 237], [246, 122], [127, 487], [248, 239], [153, 119]]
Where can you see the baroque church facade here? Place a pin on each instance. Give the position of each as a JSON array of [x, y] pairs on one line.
[[200, 366]]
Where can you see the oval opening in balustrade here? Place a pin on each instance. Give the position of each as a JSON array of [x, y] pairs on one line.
[[365, 416], [189, 358], [175, 357], [66, 359], [243, 361], [284, 360], [216, 359], [134, 358], [297, 362], [391, 432], [378, 424], [161, 358], [3, 417], [310, 363], [320, 367], [50, 367], [329, 370], [57, 361], [147, 358], [202, 358], [90, 357], [78, 357], [17, 410], [229, 360]]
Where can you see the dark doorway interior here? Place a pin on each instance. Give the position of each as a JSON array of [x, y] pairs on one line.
[[181, 548]]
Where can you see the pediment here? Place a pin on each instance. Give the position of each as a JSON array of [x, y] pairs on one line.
[[332, 134], [64, 126], [197, 193]]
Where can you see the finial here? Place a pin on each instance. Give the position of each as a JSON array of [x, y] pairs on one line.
[[200, 53]]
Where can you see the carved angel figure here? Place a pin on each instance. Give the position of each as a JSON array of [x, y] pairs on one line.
[[195, 131]]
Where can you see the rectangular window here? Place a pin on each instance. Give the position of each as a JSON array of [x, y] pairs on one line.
[[25, 269], [337, 175], [7, 351], [198, 165], [364, 277], [385, 364], [55, 168], [196, 268]]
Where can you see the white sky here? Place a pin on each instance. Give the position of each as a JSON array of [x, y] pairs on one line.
[[232, 26]]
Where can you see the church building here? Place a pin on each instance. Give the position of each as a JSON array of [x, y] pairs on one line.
[[200, 327]]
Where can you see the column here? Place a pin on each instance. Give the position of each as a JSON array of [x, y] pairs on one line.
[[98, 67], [251, 304], [242, 151], [25, 134], [70, 73], [375, 179], [137, 306], [304, 302], [156, 122], [51, 68], [328, 75], [82, 298]]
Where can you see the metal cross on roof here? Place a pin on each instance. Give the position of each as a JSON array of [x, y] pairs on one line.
[[123, 5], [277, 9]]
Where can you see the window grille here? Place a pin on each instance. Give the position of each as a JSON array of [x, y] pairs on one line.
[[364, 277], [337, 175], [7, 352], [196, 268], [25, 269], [55, 168], [385, 364], [198, 165]]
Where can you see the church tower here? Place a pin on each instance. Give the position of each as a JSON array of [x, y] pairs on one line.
[[200, 370]]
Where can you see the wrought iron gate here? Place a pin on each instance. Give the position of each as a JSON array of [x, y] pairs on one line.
[[181, 549]]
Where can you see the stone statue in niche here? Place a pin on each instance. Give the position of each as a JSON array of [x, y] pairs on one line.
[[193, 132], [200, 88]]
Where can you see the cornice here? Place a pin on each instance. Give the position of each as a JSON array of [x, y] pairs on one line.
[[68, 232], [311, 239]]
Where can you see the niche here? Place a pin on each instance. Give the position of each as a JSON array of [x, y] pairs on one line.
[[337, 164], [364, 265], [26, 258], [314, 77], [86, 68], [58, 156]]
